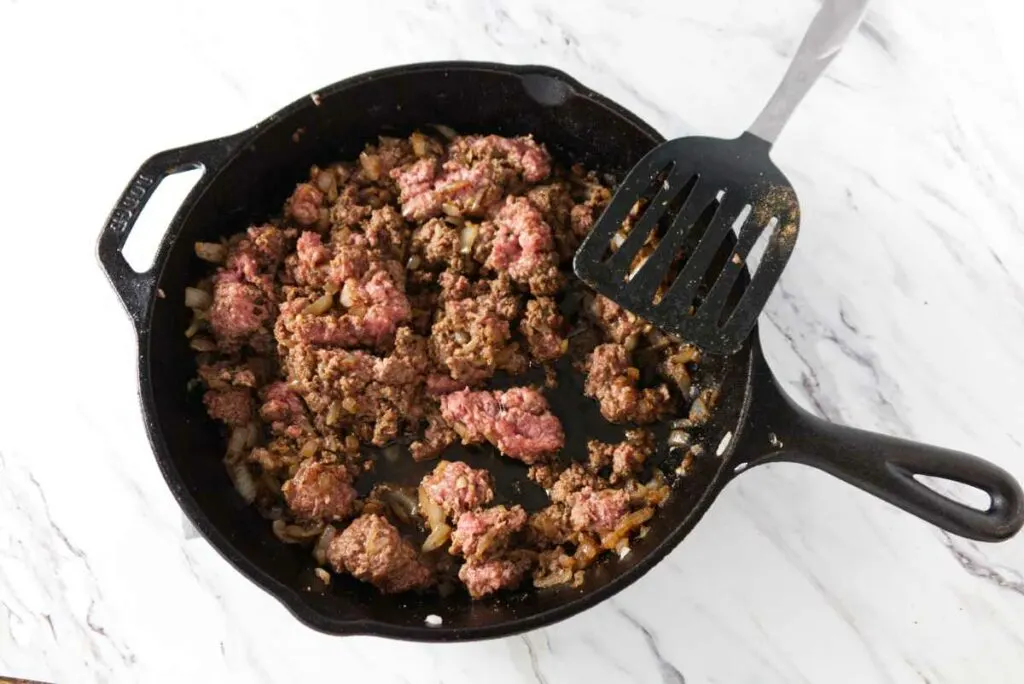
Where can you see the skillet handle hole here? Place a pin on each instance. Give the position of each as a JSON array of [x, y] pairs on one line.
[[969, 496], [149, 230]]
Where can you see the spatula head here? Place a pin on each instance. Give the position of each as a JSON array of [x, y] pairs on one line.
[[673, 244]]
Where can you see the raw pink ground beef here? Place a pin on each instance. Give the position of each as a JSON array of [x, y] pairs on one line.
[[457, 488], [598, 511], [483, 577], [517, 421], [523, 244]]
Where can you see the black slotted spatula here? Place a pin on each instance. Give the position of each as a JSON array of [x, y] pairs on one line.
[[666, 247]]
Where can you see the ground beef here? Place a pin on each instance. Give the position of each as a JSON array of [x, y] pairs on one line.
[[523, 154], [612, 381], [233, 406], [284, 410], [375, 396], [305, 204], [457, 488], [472, 338], [597, 511], [437, 242], [619, 326], [550, 526], [384, 305], [486, 533], [436, 438], [372, 308], [542, 327], [524, 247], [240, 314], [320, 491], [571, 480], [517, 421], [222, 375], [372, 550], [625, 458], [483, 577]]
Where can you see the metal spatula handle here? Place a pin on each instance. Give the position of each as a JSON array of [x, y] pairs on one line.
[[824, 39]]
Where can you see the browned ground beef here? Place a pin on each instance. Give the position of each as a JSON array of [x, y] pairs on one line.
[[377, 310], [373, 550]]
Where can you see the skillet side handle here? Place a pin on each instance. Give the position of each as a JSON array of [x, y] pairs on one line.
[[135, 289], [884, 466]]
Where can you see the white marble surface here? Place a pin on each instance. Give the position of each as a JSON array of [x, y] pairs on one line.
[[902, 311]]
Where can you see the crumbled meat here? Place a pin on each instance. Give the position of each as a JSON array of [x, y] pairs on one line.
[[222, 374], [625, 458], [240, 314], [542, 327], [436, 438], [550, 526], [471, 337], [232, 406], [283, 409], [570, 481], [522, 154], [486, 533], [384, 306], [483, 577], [612, 381], [619, 326], [517, 421], [372, 550], [457, 488], [387, 232], [304, 205], [376, 306], [597, 511], [524, 247], [438, 242], [320, 491], [352, 388]]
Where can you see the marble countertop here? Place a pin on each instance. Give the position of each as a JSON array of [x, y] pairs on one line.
[[902, 311]]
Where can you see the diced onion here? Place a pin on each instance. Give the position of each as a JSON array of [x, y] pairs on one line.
[[419, 144], [295, 534], [437, 538], [236, 443], [242, 479], [214, 252], [346, 295], [446, 131], [321, 305], [322, 575], [371, 165], [320, 550], [308, 450], [202, 344], [560, 576], [197, 299], [467, 236]]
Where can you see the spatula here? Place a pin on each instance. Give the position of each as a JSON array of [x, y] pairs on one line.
[[672, 244]]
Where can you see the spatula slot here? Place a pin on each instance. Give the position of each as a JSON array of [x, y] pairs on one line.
[[656, 189], [694, 248]]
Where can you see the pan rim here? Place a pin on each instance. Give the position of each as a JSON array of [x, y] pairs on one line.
[[293, 600]]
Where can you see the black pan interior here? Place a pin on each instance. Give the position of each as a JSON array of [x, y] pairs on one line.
[[577, 125]]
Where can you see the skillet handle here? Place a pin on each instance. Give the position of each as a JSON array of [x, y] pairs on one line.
[[882, 465], [136, 289]]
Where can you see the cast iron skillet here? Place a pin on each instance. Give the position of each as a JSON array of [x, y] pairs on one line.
[[246, 177]]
